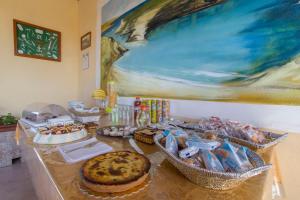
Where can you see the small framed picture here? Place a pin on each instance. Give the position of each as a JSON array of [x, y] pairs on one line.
[[85, 61], [86, 40]]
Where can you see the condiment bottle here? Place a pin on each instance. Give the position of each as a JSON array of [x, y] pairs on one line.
[[143, 117], [111, 94], [137, 104]]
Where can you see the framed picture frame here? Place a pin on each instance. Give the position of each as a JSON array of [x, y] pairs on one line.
[[86, 41], [38, 42], [85, 60]]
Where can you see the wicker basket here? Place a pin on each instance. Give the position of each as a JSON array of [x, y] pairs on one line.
[[260, 148], [213, 179]]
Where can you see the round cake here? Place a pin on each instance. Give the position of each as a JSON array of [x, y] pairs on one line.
[[115, 171]]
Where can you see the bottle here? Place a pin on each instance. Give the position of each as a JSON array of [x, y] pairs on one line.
[[148, 104], [153, 111], [158, 111], [165, 110], [137, 103], [148, 112], [143, 117], [115, 115], [111, 94]]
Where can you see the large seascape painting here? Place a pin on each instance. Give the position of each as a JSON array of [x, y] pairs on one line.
[[215, 50]]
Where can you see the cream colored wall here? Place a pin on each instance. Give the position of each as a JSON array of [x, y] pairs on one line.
[[26, 80], [87, 23], [90, 20]]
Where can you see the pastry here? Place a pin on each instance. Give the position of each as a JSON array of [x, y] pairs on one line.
[[146, 135], [163, 141], [210, 135], [59, 134], [91, 127], [181, 142], [115, 171], [115, 131]]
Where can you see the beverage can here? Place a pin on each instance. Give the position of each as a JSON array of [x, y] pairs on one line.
[[137, 104], [147, 103], [153, 111], [144, 102], [166, 110], [149, 106], [159, 111]]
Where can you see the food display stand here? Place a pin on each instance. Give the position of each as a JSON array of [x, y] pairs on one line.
[[53, 178]]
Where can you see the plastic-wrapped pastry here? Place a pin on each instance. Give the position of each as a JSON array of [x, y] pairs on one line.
[[211, 162], [195, 161], [181, 142], [188, 161], [242, 153], [202, 144], [171, 144], [210, 135], [233, 129], [188, 152], [230, 160], [252, 134], [163, 141], [179, 133]]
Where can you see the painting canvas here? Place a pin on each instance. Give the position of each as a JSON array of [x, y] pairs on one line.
[[215, 50]]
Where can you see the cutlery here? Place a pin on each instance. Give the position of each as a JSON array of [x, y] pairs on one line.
[[82, 147]]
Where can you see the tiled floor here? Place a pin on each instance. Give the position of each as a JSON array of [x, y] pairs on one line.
[[15, 183]]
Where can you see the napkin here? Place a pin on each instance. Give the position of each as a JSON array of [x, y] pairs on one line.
[[83, 150]]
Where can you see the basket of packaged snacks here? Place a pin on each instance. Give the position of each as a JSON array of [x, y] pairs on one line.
[[243, 134], [209, 161]]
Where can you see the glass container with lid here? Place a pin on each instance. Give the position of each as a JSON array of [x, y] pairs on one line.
[[41, 114], [100, 98], [143, 117]]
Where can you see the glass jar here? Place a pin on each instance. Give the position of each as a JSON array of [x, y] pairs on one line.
[[101, 103], [143, 117], [100, 98]]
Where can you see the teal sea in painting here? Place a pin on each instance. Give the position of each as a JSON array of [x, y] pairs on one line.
[[232, 41]]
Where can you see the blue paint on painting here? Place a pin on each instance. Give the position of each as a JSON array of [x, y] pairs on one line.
[[230, 41]]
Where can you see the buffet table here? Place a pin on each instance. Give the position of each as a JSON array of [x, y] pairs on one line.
[[53, 178]]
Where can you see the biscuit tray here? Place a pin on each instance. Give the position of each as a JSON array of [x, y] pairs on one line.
[[213, 179]]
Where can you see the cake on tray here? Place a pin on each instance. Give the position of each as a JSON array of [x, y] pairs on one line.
[[115, 171], [59, 134]]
